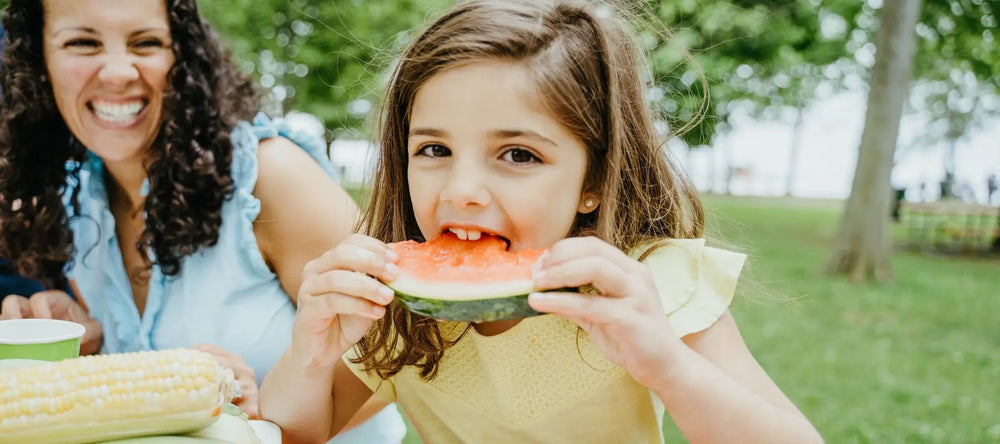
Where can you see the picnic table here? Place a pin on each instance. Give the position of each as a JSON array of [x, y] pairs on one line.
[[950, 226]]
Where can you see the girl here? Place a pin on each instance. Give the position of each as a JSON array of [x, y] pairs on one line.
[[526, 120]]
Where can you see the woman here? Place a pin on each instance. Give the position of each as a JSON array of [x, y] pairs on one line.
[[127, 158]]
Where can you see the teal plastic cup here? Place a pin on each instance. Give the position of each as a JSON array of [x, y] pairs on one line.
[[40, 339]]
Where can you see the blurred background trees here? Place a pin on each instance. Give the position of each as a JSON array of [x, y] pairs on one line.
[[772, 60]]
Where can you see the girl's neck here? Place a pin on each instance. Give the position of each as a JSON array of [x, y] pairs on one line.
[[495, 327]]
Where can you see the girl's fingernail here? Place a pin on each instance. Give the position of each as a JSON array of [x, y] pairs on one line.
[[391, 254], [540, 262], [538, 275], [391, 269], [539, 296], [386, 293]]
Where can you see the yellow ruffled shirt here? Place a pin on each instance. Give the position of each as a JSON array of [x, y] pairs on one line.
[[544, 381]]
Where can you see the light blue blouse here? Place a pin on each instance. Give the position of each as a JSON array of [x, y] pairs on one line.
[[224, 295]]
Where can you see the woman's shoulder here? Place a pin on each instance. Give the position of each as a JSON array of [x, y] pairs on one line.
[[272, 144]]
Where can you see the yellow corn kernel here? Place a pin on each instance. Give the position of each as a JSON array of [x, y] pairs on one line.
[[112, 396]]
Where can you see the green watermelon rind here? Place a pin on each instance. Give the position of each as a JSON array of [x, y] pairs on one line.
[[462, 302], [465, 302], [470, 310]]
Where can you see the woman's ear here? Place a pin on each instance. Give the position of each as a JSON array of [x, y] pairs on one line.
[[588, 203]]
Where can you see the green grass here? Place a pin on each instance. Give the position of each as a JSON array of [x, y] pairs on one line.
[[917, 360]]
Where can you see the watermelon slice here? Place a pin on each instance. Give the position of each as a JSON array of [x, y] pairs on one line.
[[463, 280]]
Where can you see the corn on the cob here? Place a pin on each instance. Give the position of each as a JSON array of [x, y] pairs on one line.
[[96, 398]]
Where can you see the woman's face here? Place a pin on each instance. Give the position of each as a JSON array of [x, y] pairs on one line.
[[108, 62]]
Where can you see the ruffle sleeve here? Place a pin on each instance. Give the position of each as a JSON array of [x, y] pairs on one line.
[[696, 283], [245, 138]]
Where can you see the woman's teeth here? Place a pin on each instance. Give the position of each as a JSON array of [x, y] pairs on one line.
[[117, 112], [472, 235]]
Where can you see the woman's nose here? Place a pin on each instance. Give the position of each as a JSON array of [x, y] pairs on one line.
[[118, 70]]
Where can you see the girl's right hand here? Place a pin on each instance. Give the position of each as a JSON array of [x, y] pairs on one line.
[[340, 298]]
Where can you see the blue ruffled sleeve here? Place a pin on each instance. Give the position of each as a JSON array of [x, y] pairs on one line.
[[246, 137]]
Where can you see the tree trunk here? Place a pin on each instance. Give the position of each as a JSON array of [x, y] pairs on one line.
[[710, 173], [948, 189], [862, 248], [793, 154], [727, 167]]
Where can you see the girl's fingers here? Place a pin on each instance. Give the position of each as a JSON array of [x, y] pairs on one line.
[[351, 284], [330, 305], [604, 274], [576, 247], [359, 253], [581, 308]]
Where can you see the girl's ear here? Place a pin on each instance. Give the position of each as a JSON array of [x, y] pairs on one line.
[[588, 204]]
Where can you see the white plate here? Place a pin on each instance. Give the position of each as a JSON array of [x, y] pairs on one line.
[[267, 431]]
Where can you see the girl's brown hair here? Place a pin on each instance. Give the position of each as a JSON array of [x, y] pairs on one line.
[[589, 73]]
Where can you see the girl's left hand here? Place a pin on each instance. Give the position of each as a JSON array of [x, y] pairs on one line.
[[245, 377], [625, 321]]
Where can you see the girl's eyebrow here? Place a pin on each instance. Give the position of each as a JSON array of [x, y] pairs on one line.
[[432, 132], [527, 134], [495, 134]]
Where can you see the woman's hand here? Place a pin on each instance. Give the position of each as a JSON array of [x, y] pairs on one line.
[[55, 304], [245, 377], [340, 299], [625, 321]]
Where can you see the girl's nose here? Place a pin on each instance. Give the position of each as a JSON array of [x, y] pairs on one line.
[[466, 187]]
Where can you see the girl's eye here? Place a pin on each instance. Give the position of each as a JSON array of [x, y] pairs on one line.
[[433, 150], [518, 155]]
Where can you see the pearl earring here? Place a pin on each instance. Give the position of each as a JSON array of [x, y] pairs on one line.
[[589, 203]]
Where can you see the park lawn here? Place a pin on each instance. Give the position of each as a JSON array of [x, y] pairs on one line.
[[917, 360]]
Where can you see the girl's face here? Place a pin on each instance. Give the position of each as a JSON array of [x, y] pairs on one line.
[[486, 157], [108, 62]]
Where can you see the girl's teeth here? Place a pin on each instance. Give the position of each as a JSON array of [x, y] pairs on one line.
[[463, 234], [115, 112]]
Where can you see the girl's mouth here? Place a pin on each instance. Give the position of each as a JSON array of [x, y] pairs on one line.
[[473, 234]]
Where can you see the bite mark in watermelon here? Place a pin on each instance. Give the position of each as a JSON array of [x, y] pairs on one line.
[[463, 280]]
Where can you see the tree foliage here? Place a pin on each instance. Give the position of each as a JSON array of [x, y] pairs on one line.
[[324, 57]]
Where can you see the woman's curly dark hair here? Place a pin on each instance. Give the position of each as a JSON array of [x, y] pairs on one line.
[[189, 167]]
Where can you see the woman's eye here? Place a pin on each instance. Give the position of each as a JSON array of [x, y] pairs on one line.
[[82, 43], [518, 155], [151, 43], [433, 150]]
